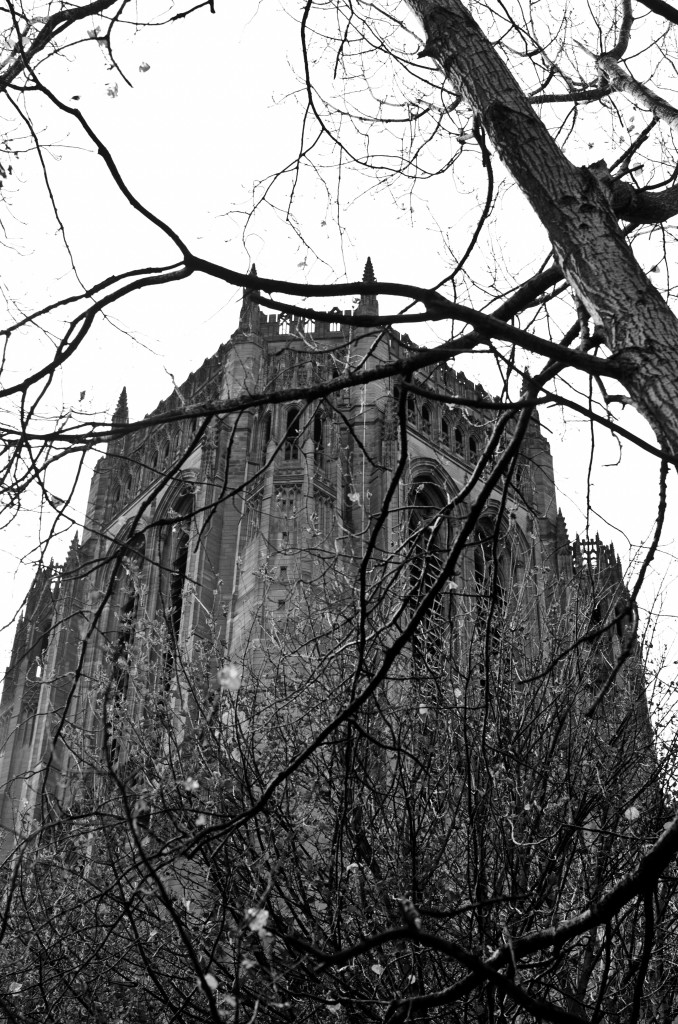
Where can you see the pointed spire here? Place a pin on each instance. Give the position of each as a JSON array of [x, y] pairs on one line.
[[73, 552], [249, 311], [120, 418], [560, 519], [368, 272], [562, 539], [563, 549], [71, 566], [249, 292], [121, 414], [369, 304], [39, 591]]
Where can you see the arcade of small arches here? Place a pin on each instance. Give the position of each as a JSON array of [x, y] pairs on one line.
[[449, 430], [296, 424]]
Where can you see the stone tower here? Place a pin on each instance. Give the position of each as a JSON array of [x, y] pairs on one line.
[[204, 526]]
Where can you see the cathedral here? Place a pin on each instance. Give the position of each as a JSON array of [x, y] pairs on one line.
[[256, 539]]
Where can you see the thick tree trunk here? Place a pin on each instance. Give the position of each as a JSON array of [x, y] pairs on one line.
[[639, 328]]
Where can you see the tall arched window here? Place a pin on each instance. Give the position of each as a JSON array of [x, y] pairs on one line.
[[411, 409], [126, 599], [264, 434], [445, 432], [428, 532], [174, 564], [426, 420], [319, 432], [488, 570], [126, 604], [291, 442], [428, 528], [458, 442], [473, 449]]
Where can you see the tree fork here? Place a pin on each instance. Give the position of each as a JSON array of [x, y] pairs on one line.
[[639, 327]]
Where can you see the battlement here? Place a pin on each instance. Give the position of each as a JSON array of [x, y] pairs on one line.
[[591, 553], [281, 325]]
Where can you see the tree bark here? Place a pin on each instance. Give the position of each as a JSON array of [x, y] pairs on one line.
[[621, 81], [632, 204], [637, 324]]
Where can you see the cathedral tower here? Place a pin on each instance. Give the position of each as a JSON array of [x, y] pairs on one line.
[[214, 530]]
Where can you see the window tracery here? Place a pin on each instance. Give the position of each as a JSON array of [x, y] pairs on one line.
[[428, 542], [288, 508], [291, 442], [264, 435], [411, 409], [127, 591], [175, 563], [489, 571], [319, 438]]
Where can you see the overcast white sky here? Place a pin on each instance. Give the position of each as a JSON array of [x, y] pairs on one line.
[[214, 113]]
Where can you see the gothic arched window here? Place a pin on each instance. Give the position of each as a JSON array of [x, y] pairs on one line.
[[126, 598], [458, 442], [411, 410], [126, 603], [174, 563], [488, 571], [319, 438], [428, 530], [291, 442], [426, 420], [264, 434]]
